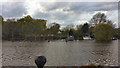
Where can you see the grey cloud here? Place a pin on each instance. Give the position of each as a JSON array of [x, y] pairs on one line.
[[41, 15], [17, 9], [13, 9], [79, 7], [58, 17], [52, 15], [49, 6]]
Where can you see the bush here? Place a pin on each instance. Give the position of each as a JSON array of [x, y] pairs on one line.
[[118, 33], [103, 32]]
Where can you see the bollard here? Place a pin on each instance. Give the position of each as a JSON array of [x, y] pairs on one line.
[[40, 61]]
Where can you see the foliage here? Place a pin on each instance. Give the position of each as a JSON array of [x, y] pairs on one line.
[[65, 31], [77, 35], [28, 27], [100, 18], [76, 32], [116, 33], [85, 29], [54, 29], [23, 28], [103, 32], [1, 19], [71, 32]]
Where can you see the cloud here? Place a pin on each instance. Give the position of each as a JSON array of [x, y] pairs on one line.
[[79, 7], [73, 12], [13, 9], [50, 6], [63, 13], [61, 0]]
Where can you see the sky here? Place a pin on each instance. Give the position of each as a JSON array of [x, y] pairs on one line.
[[63, 12]]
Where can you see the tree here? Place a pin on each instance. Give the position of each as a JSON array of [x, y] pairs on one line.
[[26, 25], [55, 28], [1, 19], [98, 19], [70, 32], [85, 29], [23, 27], [78, 27], [9, 29], [116, 33], [40, 26], [70, 26], [78, 34], [103, 32], [32, 26], [65, 31]]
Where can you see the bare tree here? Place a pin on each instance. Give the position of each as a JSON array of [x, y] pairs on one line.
[[98, 19]]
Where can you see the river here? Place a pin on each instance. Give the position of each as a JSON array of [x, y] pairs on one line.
[[60, 53]]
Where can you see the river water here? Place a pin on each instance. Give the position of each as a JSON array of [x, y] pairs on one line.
[[60, 53]]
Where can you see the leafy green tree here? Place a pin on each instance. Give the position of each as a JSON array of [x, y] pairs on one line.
[[32, 26], [9, 29], [103, 32], [116, 33], [23, 28], [1, 19]]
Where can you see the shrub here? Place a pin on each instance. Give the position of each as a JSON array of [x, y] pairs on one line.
[[103, 32]]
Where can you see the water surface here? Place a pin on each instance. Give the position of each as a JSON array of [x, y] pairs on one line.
[[60, 53]]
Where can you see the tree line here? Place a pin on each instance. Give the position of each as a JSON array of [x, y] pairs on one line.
[[28, 28]]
